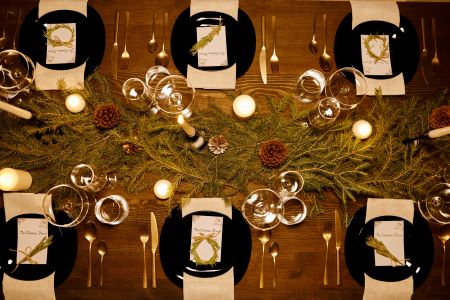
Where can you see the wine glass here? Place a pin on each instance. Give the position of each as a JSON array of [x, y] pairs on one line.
[[136, 92], [174, 96], [435, 208], [92, 178], [324, 112], [288, 183], [66, 206], [16, 73], [348, 86], [261, 207], [154, 75]]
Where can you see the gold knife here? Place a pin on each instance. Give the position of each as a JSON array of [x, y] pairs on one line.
[[154, 230], [338, 228], [115, 48], [262, 54]]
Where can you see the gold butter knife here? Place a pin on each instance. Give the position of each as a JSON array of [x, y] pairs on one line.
[[154, 230], [262, 54], [338, 228], [115, 48]]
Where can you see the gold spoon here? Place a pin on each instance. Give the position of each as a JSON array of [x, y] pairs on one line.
[[101, 249], [435, 60], [274, 249], [162, 58], [444, 236], [313, 42], [263, 237], [325, 58], [152, 43], [90, 233], [4, 39]]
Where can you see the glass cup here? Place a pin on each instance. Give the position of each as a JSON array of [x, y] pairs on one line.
[[309, 86], [435, 208], [66, 206], [348, 86], [261, 207], [174, 96], [16, 73], [288, 183], [294, 211], [112, 210], [91, 178], [136, 92], [324, 112]]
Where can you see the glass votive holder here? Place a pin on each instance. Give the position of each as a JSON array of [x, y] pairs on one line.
[[112, 210], [309, 86], [288, 183], [324, 112], [91, 178], [294, 211], [348, 86]]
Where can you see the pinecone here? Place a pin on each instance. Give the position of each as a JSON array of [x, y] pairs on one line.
[[106, 116], [273, 153], [440, 117], [217, 144]]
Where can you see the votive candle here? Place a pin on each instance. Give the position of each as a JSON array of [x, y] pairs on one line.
[[162, 189], [362, 129], [244, 106], [75, 103], [190, 131], [14, 180]]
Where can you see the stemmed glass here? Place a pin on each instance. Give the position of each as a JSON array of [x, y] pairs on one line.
[[261, 207], [92, 178], [288, 184], [16, 73], [435, 208], [348, 86], [324, 112], [174, 95]]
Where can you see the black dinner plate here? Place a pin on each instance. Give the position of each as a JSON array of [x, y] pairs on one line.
[[175, 244], [90, 38], [418, 245], [240, 35], [61, 253], [403, 45]]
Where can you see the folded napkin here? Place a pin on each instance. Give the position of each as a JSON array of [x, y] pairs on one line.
[[387, 11], [47, 79], [14, 289], [223, 79], [219, 287], [380, 290]]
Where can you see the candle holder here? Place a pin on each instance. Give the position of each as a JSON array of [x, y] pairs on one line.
[[197, 141]]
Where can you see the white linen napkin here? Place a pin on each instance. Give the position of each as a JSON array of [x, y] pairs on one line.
[[14, 289], [387, 11], [219, 287], [47, 79], [380, 290], [223, 79]]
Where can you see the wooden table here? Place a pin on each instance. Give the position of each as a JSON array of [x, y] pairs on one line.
[[300, 263]]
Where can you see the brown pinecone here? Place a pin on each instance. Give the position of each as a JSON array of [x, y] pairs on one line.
[[106, 116], [440, 117], [273, 153]]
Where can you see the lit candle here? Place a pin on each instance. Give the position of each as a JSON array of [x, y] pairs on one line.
[[244, 106], [14, 180], [75, 103], [162, 189], [190, 131], [362, 129]]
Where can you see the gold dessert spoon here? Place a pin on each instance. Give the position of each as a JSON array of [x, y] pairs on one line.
[[90, 234], [325, 58], [274, 249], [152, 43], [162, 58], [263, 237], [102, 250], [444, 236]]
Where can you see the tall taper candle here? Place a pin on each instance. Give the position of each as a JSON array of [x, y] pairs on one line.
[[190, 131]]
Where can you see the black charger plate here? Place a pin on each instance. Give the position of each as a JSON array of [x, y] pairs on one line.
[[90, 38], [418, 244], [175, 244], [61, 254], [404, 48], [241, 40]]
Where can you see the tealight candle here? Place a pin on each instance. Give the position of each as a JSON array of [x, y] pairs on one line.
[[75, 103], [362, 129], [162, 189], [244, 106], [190, 131], [14, 180]]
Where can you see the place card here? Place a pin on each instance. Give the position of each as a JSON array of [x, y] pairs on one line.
[[375, 53], [203, 229], [30, 232], [391, 234], [61, 43], [213, 54]]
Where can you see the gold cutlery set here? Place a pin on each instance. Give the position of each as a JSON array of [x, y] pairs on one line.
[[4, 40], [325, 60], [144, 236], [426, 66], [274, 61], [274, 249], [327, 229]]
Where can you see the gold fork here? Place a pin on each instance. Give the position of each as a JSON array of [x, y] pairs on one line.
[[125, 57], [144, 239], [274, 62], [327, 237]]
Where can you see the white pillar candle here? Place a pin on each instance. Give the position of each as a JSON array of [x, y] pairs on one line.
[[362, 129], [244, 106], [14, 180], [435, 133], [15, 110], [163, 189], [190, 131], [75, 103]]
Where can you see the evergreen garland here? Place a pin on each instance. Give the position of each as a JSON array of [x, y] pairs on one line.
[[330, 159]]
